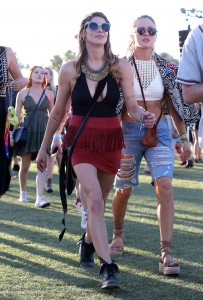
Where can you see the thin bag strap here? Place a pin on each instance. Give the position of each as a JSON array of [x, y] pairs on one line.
[[36, 107], [98, 91], [62, 175], [143, 96], [138, 76]]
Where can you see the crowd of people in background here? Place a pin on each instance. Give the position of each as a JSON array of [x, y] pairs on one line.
[[139, 91]]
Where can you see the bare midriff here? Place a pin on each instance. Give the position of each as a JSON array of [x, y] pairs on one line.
[[152, 106]]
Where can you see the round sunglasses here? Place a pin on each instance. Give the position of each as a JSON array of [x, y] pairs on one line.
[[94, 26], [142, 30]]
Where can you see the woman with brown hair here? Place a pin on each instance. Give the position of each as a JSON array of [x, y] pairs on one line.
[[96, 155], [27, 100]]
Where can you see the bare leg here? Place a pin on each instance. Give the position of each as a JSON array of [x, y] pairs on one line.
[[23, 172], [95, 192], [165, 215], [119, 207], [197, 149], [165, 209]]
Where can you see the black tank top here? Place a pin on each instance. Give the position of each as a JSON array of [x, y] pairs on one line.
[[82, 99]]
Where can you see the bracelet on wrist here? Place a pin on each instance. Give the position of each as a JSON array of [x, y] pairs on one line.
[[57, 136], [183, 138], [137, 114], [176, 140]]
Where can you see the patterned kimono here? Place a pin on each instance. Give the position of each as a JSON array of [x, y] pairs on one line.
[[4, 126]]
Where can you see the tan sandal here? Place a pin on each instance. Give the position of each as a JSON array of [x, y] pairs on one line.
[[169, 267], [117, 248]]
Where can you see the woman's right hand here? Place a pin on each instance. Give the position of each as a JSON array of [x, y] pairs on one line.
[[41, 160]]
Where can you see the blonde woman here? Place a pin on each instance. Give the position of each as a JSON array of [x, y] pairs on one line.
[[157, 81]]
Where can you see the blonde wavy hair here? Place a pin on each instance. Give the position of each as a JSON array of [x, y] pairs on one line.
[[51, 83], [131, 44]]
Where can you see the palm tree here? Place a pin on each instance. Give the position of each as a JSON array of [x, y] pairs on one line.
[[56, 63]]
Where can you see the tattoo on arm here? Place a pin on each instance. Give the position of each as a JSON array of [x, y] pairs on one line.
[[54, 119]]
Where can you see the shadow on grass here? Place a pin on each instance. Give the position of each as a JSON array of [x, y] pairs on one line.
[[37, 252]]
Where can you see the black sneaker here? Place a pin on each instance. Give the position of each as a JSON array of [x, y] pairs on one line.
[[86, 252], [189, 164], [109, 276]]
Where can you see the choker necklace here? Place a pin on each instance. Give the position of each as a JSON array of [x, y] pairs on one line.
[[95, 75]]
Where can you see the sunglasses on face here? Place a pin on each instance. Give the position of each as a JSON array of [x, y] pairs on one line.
[[142, 30], [93, 26]]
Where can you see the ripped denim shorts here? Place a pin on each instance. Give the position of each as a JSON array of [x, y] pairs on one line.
[[160, 159]]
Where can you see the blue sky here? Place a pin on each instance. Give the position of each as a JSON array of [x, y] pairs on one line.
[[38, 30]]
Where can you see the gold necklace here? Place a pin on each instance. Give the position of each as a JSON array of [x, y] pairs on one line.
[[95, 75]]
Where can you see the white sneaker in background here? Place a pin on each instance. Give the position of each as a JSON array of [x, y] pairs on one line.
[[23, 197], [84, 213], [41, 202]]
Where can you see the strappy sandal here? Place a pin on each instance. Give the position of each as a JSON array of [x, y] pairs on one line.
[[170, 267], [116, 248]]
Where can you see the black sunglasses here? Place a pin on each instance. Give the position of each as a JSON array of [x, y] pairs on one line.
[[93, 26], [142, 30]]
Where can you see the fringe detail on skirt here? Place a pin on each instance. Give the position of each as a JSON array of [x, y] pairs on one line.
[[95, 139]]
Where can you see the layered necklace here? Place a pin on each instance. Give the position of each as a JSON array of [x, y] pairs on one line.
[[95, 75]]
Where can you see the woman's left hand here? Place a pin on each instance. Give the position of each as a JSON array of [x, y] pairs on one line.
[[19, 83], [41, 160], [149, 119], [186, 153]]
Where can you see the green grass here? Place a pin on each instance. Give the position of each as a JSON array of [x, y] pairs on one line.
[[35, 266]]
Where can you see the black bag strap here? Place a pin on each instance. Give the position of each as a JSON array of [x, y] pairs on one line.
[[68, 151], [98, 91], [143, 96], [36, 108]]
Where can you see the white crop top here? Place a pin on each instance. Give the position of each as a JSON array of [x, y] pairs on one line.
[[151, 80]]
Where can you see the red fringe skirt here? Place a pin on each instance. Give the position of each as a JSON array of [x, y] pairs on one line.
[[100, 142]]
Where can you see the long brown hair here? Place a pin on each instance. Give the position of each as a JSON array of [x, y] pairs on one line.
[[82, 55], [44, 82], [131, 42]]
